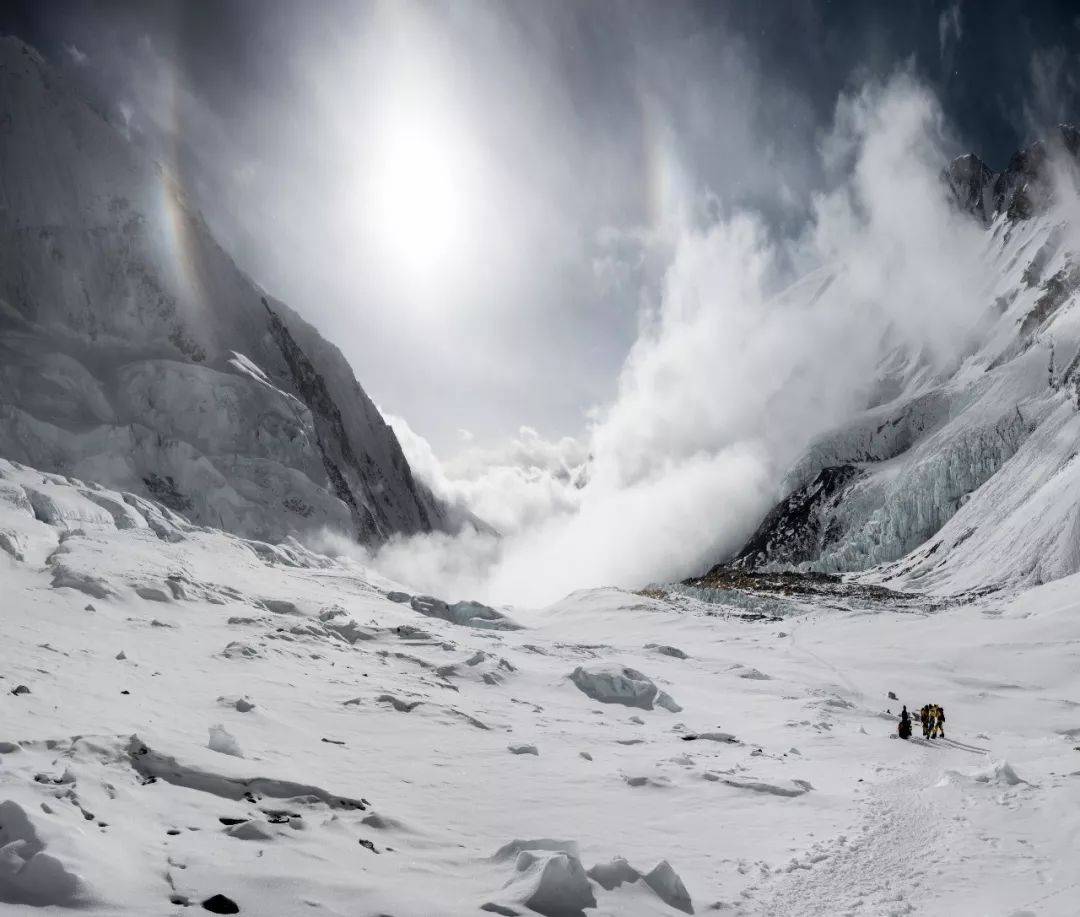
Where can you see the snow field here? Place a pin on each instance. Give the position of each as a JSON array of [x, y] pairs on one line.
[[389, 754]]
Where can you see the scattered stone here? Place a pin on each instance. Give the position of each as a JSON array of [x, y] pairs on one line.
[[89, 607], [585, 755], [281, 607], [370, 845], [401, 706], [492, 908], [219, 904], [333, 741], [399, 597], [121, 655], [893, 696], [20, 689]]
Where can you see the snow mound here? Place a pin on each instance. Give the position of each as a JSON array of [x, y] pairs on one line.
[[221, 741], [996, 773], [790, 789], [28, 875], [665, 650], [616, 685], [255, 830], [510, 851], [523, 749]]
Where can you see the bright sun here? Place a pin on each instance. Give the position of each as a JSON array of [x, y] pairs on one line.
[[420, 189]]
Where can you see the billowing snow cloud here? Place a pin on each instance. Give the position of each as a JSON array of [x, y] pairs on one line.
[[754, 345]]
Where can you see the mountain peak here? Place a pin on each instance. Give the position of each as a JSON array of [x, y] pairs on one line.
[[1022, 189]]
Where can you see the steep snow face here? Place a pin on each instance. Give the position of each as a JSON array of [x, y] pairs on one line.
[[134, 352], [979, 453]]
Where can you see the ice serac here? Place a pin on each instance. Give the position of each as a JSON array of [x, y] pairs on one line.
[[963, 479], [134, 352]]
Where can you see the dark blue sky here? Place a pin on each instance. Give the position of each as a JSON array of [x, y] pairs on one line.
[[983, 78]]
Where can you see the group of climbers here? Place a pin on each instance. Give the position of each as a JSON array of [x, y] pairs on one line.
[[932, 717]]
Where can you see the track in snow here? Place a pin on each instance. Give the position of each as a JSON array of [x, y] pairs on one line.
[[885, 870]]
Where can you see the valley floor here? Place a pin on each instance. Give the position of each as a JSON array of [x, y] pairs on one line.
[[374, 772]]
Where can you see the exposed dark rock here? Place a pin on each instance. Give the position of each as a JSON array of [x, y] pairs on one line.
[[1023, 189], [800, 526], [219, 904]]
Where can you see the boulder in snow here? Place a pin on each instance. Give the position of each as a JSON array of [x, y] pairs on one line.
[[665, 650], [669, 887], [616, 685], [612, 875], [553, 884]]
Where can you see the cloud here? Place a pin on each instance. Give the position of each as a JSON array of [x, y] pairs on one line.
[[77, 57], [950, 28], [755, 345], [1053, 90], [512, 487], [314, 141]]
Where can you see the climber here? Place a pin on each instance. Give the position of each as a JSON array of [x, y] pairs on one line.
[[938, 731], [904, 728], [924, 717]]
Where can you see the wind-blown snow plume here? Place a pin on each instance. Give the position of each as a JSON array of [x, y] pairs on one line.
[[735, 369]]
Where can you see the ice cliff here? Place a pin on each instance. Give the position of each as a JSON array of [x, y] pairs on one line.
[[962, 480], [134, 352]]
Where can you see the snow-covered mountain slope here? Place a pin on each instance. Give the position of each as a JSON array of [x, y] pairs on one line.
[[133, 351], [187, 714], [964, 479]]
